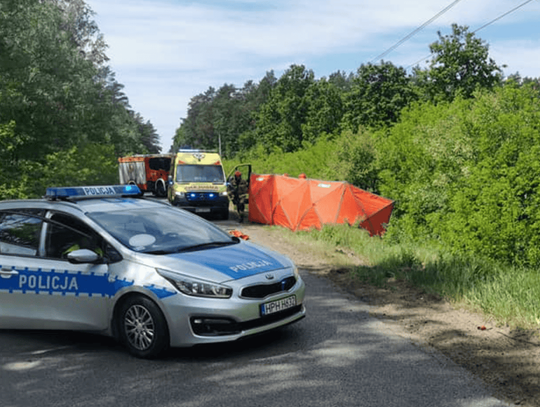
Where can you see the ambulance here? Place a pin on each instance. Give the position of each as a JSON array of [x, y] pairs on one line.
[[197, 183]]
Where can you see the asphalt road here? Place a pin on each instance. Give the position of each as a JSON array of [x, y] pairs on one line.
[[336, 356]]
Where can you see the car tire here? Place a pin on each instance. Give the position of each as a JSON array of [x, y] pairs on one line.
[[161, 191], [142, 327], [225, 214]]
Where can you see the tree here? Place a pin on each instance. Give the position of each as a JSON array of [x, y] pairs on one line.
[[466, 173], [83, 29], [460, 64], [377, 96], [227, 115], [324, 110], [148, 135], [354, 160], [48, 88], [280, 119], [341, 80], [56, 96]]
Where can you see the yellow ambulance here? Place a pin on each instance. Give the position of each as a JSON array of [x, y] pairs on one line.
[[197, 183]]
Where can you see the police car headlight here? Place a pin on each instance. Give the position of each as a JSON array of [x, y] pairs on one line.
[[225, 193], [180, 194], [196, 287]]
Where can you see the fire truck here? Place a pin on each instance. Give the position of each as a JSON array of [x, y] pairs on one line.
[[150, 172]]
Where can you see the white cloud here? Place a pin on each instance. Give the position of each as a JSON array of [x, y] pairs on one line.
[[519, 56], [167, 51]]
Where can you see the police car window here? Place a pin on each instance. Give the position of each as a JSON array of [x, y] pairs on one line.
[[66, 233], [19, 232]]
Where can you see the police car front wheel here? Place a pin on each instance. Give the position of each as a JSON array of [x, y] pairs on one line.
[[143, 328]]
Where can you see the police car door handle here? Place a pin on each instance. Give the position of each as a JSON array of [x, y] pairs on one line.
[[5, 271]]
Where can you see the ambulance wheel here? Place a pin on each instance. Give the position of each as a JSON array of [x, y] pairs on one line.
[[142, 327]]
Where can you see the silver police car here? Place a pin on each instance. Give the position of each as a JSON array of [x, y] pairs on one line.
[[99, 259]]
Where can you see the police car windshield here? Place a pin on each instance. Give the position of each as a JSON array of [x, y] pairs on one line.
[[161, 231], [200, 173]]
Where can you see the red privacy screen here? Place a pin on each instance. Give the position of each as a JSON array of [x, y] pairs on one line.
[[301, 204]]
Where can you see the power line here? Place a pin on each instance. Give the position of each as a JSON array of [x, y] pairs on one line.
[[482, 27], [393, 47], [503, 15]]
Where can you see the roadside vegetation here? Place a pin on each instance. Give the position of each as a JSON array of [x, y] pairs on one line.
[[64, 118], [506, 294], [455, 144]]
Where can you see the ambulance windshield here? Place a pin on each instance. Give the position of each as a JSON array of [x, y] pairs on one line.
[[200, 173]]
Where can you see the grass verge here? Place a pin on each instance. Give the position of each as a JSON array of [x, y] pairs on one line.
[[507, 295]]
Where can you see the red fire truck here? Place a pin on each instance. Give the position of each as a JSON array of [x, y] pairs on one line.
[[149, 172]]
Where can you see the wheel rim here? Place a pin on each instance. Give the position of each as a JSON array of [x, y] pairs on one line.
[[139, 327]]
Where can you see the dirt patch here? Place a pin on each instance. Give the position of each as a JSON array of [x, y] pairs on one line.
[[508, 361]]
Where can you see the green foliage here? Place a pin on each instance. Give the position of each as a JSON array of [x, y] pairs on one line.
[[280, 119], [466, 172], [52, 82], [225, 116], [377, 96], [494, 210], [313, 160], [11, 184], [355, 160], [508, 295], [460, 65], [324, 112], [421, 158], [51, 86], [92, 164]]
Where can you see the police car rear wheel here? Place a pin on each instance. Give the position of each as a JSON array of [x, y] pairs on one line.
[[143, 328]]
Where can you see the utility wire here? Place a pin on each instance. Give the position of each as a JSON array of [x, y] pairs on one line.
[[503, 15], [397, 44], [481, 28]]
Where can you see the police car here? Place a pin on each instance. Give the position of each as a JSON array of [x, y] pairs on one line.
[[153, 276]]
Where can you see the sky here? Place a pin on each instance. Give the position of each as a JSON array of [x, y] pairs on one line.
[[165, 52]]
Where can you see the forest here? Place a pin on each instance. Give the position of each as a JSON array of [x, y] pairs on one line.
[[64, 118], [454, 144]]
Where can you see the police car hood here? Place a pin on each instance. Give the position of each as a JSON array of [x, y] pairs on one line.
[[225, 263]]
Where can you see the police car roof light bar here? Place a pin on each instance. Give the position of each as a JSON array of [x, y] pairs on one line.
[[55, 193]]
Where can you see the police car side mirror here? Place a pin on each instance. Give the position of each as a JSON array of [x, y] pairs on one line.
[[169, 180], [82, 256]]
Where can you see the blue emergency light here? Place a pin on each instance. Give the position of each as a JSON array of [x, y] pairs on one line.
[[92, 191], [201, 196]]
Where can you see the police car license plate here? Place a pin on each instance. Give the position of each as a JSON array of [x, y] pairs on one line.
[[277, 306], [202, 210]]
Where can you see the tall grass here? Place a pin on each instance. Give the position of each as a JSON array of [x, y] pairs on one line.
[[506, 294]]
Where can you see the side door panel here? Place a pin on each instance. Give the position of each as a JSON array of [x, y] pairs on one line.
[[53, 295], [47, 292]]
